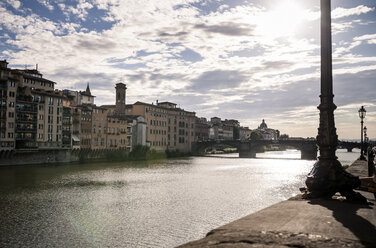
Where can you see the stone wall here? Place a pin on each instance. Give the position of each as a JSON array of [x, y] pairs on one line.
[[54, 156]]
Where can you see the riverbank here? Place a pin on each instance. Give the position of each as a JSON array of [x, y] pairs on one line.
[[302, 223], [66, 156]]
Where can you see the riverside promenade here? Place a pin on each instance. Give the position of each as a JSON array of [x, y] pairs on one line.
[[302, 223]]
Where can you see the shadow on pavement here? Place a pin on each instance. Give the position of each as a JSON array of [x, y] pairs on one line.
[[346, 213]]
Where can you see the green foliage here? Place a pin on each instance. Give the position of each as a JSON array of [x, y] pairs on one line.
[[230, 150], [284, 136], [140, 152], [256, 135], [176, 154], [117, 155]]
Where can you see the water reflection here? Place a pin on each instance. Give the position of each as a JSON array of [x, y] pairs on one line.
[[155, 204]]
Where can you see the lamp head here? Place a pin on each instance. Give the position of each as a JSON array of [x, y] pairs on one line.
[[362, 112]]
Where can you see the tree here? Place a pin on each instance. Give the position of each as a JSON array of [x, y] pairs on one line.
[[256, 135], [284, 136]]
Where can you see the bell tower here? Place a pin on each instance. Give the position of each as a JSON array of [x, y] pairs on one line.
[[120, 99]]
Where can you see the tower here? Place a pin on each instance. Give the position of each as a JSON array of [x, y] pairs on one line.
[[120, 99]]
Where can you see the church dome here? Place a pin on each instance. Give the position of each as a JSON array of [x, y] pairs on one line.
[[263, 125]]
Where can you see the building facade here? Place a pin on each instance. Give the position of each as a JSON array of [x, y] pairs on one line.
[[202, 129], [31, 110], [168, 127]]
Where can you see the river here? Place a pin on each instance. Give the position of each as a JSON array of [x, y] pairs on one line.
[[142, 204]]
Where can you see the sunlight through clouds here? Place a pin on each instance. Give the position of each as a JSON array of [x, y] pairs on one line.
[[249, 59]]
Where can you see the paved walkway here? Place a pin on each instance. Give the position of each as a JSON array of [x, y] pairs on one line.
[[302, 223]]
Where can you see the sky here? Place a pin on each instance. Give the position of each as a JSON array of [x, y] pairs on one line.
[[236, 59]]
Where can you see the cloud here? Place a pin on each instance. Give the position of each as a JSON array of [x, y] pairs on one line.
[[227, 28], [370, 38], [47, 4], [217, 80], [343, 12], [14, 3]]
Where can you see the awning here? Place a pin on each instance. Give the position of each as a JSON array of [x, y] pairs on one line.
[[75, 138]]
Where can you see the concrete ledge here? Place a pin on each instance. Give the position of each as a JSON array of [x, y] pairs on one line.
[[300, 223]]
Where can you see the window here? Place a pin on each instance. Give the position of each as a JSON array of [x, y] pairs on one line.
[[10, 125], [50, 101], [10, 135], [12, 94], [11, 114], [11, 104], [12, 84]]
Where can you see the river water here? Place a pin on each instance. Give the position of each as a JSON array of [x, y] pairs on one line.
[[162, 203]]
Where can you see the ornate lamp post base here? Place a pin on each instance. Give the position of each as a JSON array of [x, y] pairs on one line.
[[328, 177]]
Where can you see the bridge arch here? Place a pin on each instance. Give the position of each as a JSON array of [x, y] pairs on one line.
[[248, 149]]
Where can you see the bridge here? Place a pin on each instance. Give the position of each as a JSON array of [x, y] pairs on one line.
[[349, 145], [248, 148]]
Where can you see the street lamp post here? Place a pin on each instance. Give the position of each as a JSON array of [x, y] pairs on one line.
[[362, 114], [327, 176], [365, 147]]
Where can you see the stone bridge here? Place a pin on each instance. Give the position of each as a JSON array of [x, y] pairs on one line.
[[248, 149], [349, 145]]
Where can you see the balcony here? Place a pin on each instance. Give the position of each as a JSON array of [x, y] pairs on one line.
[[26, 109], [67, 123], [28, 100], [26, 130], [27, 120], [25, 138]]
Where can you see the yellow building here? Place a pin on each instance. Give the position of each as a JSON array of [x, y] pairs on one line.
[[168, 127]]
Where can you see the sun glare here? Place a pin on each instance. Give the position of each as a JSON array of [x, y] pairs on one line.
[[281, 20]]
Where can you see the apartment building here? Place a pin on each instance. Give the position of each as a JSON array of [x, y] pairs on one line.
[[9, 81], [167, 126], [33, 110], [99, 128], [202, 129]]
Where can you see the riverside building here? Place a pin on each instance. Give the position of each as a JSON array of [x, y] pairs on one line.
[[31, 110], [167, 126]]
